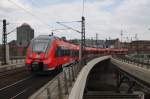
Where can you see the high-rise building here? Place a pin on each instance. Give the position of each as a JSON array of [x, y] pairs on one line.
[[24, 35]]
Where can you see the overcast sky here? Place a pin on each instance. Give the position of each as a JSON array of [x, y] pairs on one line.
[[105, 17]]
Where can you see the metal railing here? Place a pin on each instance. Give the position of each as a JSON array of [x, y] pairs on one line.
[[138, 62], [60, 86], [13, 63], [15, 60]]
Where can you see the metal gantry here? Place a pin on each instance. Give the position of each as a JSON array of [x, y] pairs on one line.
[[82, 48], [4, 42]]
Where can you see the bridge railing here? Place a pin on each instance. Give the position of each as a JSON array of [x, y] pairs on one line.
[[14, 60], [60, 86], [13, 63], [136, 61]]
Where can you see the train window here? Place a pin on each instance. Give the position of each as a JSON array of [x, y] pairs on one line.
[[65, 52], [76, 53], [58, 52], [40, 45], [68, 52], [72, 53]]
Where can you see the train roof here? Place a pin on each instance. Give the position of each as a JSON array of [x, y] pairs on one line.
[[46, 37]]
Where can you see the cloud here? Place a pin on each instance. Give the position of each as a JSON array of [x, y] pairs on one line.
[[105, 17]]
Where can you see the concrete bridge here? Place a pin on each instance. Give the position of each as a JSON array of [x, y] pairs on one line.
[[101, 78]]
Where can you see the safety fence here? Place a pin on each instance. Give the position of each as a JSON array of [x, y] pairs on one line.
[[138, 62], [13, 63], [14, 60], [60, 86]]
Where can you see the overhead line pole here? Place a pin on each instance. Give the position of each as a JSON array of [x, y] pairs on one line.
[[4, 42], [96, 40], [82, 46]]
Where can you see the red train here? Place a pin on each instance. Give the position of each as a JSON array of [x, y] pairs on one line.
[[47, 53]]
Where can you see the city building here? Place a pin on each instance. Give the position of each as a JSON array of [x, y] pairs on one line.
[[140, 46], [95, 43], [13, 48], [24, 35], [125, 45], [113, 43]]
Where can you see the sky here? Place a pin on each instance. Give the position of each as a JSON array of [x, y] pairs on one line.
[[105, 17]]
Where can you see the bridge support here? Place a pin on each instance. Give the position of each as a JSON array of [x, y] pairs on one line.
[[146, 96], [131, 85], [123, 79], [120, 80]]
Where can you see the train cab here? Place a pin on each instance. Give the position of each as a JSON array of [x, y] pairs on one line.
[[38, 56]]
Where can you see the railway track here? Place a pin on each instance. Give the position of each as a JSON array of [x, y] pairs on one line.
[[23, 88], [12, 72]]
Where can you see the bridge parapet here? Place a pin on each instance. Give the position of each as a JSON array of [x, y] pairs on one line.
[[79, 86]]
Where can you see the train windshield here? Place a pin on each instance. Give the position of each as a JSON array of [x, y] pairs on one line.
[[40, 45]]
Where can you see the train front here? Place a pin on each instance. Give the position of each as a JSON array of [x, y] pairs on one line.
[[37, 58]]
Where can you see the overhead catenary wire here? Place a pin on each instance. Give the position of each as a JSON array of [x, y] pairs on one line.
[[27, 11], [68, 27], [68, 21], [11, 31], [59, 29]]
